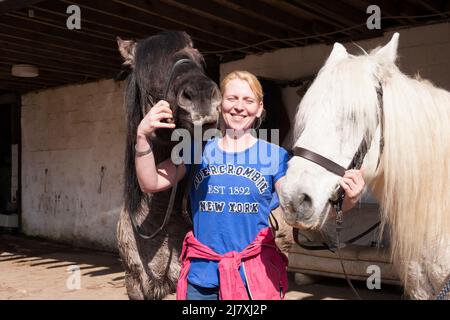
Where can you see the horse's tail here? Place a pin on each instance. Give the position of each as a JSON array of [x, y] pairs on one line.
[[133, 194]]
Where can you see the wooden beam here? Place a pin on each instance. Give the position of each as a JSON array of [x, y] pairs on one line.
[[344, 15], [56, 61], [14, 5], [183, 17], [24, 37], [76, 38], [62, 27], [431, 5], [115, 24], [234, 19], [292, 7], [150, 16], [63, 55], [273, 15]]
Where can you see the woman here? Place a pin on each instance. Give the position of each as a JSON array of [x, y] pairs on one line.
[[231, 253]]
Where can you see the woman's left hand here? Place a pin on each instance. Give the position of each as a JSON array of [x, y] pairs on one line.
[[353, 184]]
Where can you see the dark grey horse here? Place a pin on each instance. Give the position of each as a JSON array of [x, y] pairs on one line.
[[152, 266]]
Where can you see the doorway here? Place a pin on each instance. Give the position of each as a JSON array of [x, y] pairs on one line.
[[9, 161]]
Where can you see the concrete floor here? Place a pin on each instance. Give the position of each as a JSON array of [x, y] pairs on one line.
[[38, 269]]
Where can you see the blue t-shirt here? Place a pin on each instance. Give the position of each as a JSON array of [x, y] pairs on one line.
[[231, 198]]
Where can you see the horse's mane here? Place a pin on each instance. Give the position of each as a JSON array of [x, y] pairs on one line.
[[415, 168], [353, 78]]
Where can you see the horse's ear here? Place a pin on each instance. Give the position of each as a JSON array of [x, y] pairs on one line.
[[127, 49], [389, 51], [338, 53]]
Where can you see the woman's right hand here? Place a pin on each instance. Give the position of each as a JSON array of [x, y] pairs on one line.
[[152, 120]]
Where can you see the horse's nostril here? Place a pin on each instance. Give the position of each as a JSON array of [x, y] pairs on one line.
[[305, 199], [301, 203], [186, 95]]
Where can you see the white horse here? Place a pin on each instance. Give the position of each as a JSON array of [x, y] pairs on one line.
[[409, 175]]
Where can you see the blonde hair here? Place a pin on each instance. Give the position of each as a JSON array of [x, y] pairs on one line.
[[250, 78]]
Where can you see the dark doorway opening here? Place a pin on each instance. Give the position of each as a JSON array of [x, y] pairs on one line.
[[276, 115], [9, 162], [5, 156]]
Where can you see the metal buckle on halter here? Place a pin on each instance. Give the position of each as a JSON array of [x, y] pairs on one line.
[[337, 205], [339, 219]]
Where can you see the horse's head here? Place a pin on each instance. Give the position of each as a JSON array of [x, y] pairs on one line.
[[156, 75], [342, 107]]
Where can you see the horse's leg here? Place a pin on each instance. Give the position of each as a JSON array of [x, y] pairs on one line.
[[427, 279], [163, 263], [151, 266], [419, 286], [132, 284], [131, 261]]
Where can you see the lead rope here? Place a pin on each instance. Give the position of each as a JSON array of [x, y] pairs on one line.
[[445, 290], [339, 226]]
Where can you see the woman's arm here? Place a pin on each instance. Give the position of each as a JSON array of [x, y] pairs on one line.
[[154, 178], [151, 177]]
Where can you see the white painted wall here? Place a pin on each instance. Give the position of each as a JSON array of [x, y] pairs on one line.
[[72, 132], [424, 50]]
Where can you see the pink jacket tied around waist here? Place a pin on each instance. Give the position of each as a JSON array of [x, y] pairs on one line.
[[265, 268]]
